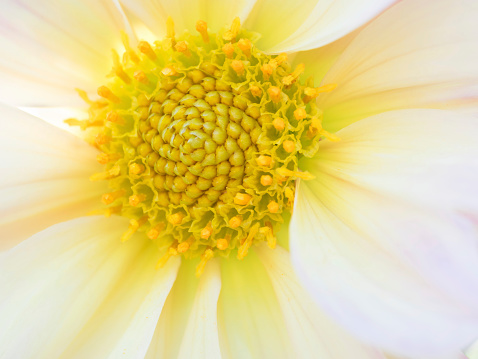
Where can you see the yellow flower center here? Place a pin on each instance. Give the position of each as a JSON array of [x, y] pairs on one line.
[[200, 136]]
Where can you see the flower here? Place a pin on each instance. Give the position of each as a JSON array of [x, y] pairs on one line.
[[382, 240]]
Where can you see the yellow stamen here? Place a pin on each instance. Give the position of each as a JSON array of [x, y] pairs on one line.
[[223, 243], [273, 207], [278, 124], [109, 198], [140, 76], [242, 199], [231, 34], [279, 60], [83, 124], [146, 49], [154, 232], [288, 173], [136, 168], [176, 218], [329, 136], [300, 114], [205, 257], [111, 173], [164, 259], [267, 70], [182, 47], [114, 118], [118, 68], [134, 225], [235, 221], [184, 246], [129, 51], [170, 30], [289, 146], [274, 93], [206, 231], [271, 239], [201, 27], [289, 80], [311, 93], [106, 93], [264, 161], [228, 50], [107, 212], [104, 158], [256, 90], [136, 199], [244, 247], [102, 139], [169, 71], [238, 66], [245, 45], [266, 180], [289, 194]]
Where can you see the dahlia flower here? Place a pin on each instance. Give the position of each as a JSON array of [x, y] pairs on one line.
[[239, 179]]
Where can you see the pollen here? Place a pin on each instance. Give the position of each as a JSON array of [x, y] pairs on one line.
[[200, 136]]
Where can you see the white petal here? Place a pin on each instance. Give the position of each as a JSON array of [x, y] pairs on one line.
[[313, 334], [201, 338], [49, 48], [383, 237], [250, 321], [74, 290], [418, 54], [326, 22], [186, 13], [45, 176]]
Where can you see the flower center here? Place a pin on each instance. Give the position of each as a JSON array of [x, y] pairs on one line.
[[200, 137]]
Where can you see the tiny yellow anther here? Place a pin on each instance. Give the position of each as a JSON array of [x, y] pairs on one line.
[[184, 246], [264, 161], [154, 232], [114, 118], [267, 70], [206, 231], [289, 146], [107, 212], [274, 93], [205, 257], [228, 50], [140, 76], [242, 199], [169, 71], [182, 47], [176, 218], [279, 124], [330, 136], [136, 168], [244, 247], [201, 27], [245, 46], [300, 114], [279, 59], [290, 79], [129, 51], [109, 198], [235, 221], [111, 173], [104, 158], [146, 49], [256, 90], [118, 68], [102, 139], [134, 225], [136, 199], [266, 180], [289, 194], [238, 66], [164, 259], [223, 243], [267, 232], [311, 92], [288, 173], [231, 34], [106, 93], [273, 207]]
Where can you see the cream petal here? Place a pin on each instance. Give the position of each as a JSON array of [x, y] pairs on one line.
[[186, 13], [312, 333], [201, 337], [74, 290], [382, 237], [49, 48], [45, 176], [250, 321], [168, 337], [316, 25], [418, 54]]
